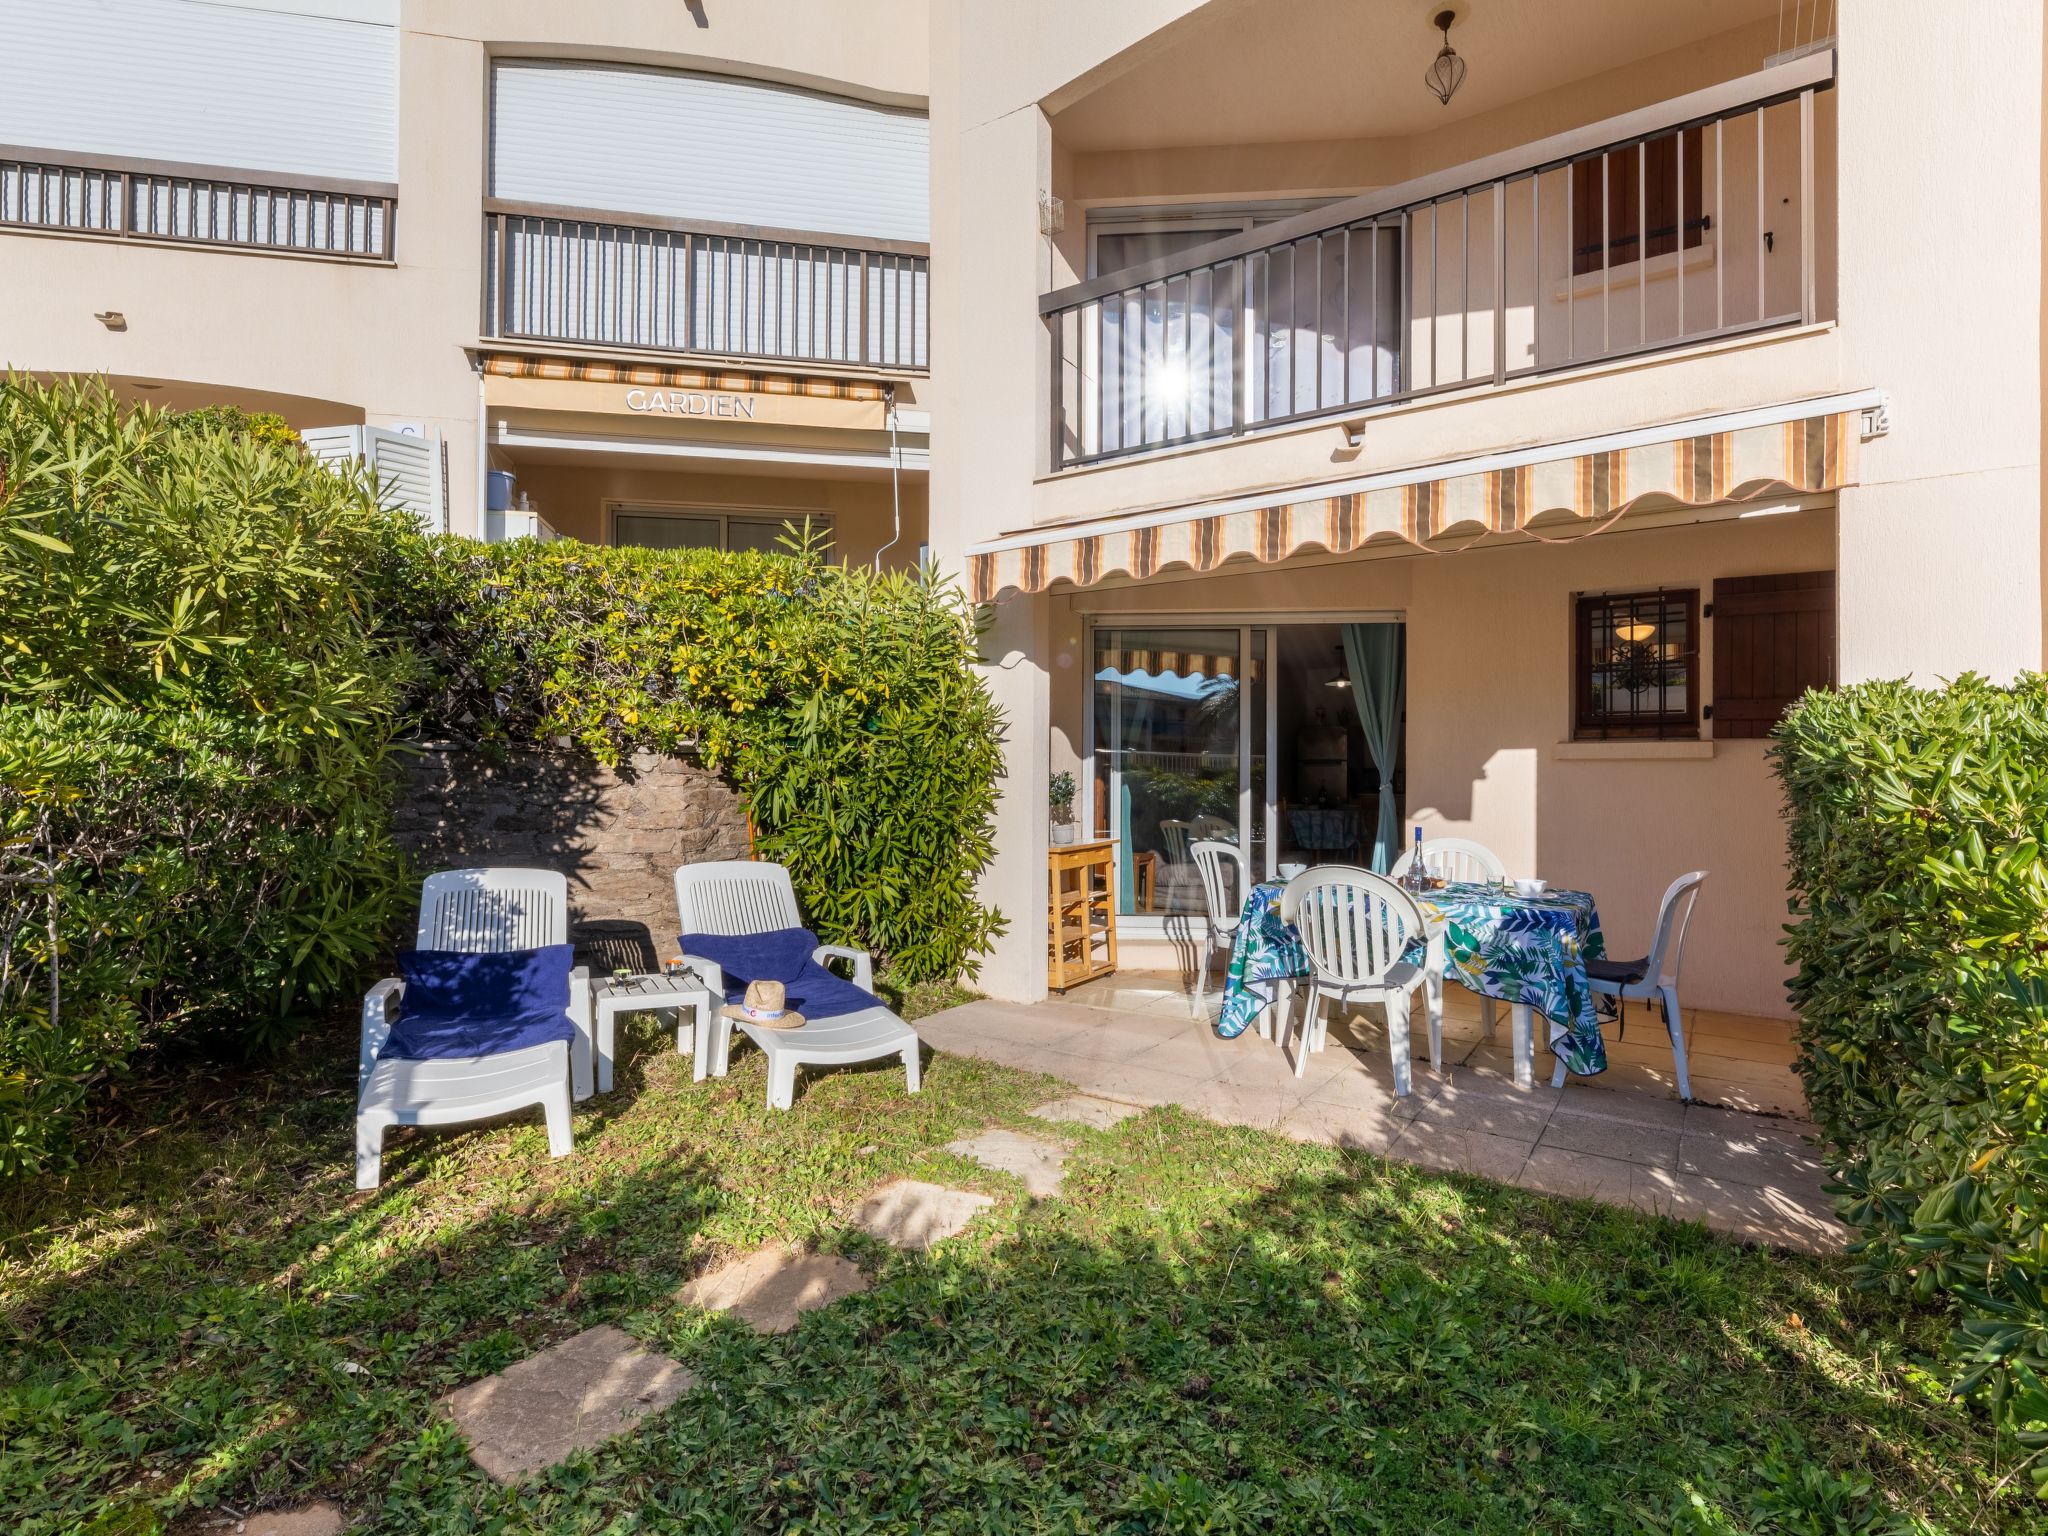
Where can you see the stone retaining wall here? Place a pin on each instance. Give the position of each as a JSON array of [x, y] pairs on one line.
[[617, 834]]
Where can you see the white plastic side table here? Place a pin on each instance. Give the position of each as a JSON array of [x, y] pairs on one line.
[[691, 1000]]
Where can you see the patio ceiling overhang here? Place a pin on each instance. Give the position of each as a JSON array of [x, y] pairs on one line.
[[1579, 488]]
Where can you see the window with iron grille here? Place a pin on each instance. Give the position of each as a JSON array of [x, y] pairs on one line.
[[1635, 665]]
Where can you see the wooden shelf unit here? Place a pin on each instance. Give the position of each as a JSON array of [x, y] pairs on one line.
[[1081, 912]]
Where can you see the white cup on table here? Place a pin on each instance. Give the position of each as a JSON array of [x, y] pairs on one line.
[[1289, 871], [1531, 888]]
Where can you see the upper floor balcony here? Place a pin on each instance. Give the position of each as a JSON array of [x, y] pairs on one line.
[[1705, 216], [739, 218], [640, 283]]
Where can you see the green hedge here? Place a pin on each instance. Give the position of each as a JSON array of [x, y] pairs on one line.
[[840, 702], [198, 699], [1918, 819]]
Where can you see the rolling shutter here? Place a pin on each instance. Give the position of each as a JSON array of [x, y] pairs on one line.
[[411, 470], [707, 148], [296, 87], [1774, 638]]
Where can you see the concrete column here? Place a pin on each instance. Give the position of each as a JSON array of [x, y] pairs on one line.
[[1940, 558]]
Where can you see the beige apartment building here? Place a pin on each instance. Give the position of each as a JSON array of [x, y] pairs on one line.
[[1685, 357], [661, 268], [1347, 438]]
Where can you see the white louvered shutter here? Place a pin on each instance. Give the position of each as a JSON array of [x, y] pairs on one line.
[[295, 87], [411, 470]]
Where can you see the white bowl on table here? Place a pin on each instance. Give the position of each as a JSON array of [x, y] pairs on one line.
[[1531, 889], [1289, 871]]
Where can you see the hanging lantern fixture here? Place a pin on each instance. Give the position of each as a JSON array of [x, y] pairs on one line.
[[1447, 73]]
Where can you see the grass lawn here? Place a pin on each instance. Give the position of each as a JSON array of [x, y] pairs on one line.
[[1211, 1330]]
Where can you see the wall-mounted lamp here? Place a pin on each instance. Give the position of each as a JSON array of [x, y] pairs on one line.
[[1354, 434], [1447, 73], [112, 319]]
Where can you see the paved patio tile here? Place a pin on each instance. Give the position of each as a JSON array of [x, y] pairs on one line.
[[1121, 1079], [1085, 1109], [909, 1213], [1589, 1101], [317, 1519], [770, 1288], [1654, 1146], [1753, 1154], [1774, 1216], [576, 1395], [1459, 1149], [1583, 1175], [1496, 1114], [1037, 1163], [1335, 1123]]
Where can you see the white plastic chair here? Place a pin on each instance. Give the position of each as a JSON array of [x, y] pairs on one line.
[[1655, 976], [1454, 858], [741, 896], [474, 912], [1356, 927], [1463, 860], [1226, 880]]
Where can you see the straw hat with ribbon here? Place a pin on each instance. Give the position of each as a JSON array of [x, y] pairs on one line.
[[765, 1007]]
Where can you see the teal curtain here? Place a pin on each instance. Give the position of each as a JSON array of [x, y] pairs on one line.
[[1374, 654]]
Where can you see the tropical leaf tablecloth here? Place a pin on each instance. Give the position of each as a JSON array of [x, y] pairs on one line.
[[1530, 950]]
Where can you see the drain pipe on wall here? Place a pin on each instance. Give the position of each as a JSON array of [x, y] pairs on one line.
[[483, 459], [895, 482]]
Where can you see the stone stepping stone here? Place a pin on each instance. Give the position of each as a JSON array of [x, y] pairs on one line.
[[1086, 1109], [771, 1287], [910, 1213], [576, 1395], [1037, 1163], [319, 1519]]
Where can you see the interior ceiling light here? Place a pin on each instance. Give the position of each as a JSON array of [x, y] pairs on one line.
[[1635, 630], [1448, 72]]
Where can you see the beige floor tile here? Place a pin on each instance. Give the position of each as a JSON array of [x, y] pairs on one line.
[[1754, 1154], [1583, 1175], [1778, 1217], [1584, 1098], [1039, 1165], [1762, 1098], [1082, 1109], [1739, 1026], [1655, 1146], [1336, 1123], [320, 1518], [1713, 1120], [1519, 1117], [1121, 1080], [912, 1214], [1461, 1150]]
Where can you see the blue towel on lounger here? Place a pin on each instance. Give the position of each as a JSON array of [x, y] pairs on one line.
[[460, 1005], [784, 955]]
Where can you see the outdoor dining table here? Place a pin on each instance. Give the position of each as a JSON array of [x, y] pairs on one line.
[[1528, 951]]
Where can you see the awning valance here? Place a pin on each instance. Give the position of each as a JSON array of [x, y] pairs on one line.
[[510, 365], [1798, 448]]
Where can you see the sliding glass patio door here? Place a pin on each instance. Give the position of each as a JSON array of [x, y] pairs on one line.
[[1182, 729]]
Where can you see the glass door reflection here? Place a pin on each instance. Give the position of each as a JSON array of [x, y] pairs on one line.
[[1169, 757]]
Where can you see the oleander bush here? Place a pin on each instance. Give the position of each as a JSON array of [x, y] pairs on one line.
[[840, 702], [198, 702], [1918, 819]]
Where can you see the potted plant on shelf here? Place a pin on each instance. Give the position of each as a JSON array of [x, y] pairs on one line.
[[1062, 794]]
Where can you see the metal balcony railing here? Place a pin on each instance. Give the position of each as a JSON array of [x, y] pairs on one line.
[[626, 280], [120, 198], [1693, 219]]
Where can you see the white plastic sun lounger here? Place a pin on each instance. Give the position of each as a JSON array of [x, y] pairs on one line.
[[745, 896], [477, 912]]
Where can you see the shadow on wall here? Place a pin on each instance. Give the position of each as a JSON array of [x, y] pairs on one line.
[[619, 835]]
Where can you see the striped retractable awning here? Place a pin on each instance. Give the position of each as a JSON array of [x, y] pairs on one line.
[[505, 365], [1800, 448]]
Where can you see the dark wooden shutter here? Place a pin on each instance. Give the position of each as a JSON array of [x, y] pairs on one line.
[[1774, 638]]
